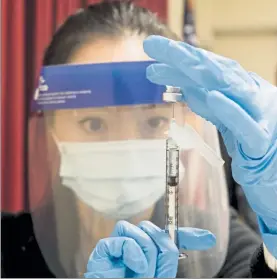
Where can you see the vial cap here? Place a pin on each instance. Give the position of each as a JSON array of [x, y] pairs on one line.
[[172, 97]]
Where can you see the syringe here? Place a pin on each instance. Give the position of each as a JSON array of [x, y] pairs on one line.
[[172, 182], [172, 95]]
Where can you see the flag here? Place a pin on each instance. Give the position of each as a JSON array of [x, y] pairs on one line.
[[189, 24]]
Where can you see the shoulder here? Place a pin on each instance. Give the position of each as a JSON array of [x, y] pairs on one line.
[[16, 227], [9, 219], [243, 242], [242, 237], [259, 268], [16, 231], [21, 256]]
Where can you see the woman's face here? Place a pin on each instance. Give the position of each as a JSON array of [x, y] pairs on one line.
[[111, 123]]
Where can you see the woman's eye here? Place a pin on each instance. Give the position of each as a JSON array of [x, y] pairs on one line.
[[93, 124], [157, 122]]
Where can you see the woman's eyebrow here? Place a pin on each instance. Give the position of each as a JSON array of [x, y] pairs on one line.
[[89, 111], [93, 110], [148, 107], [145, 107]]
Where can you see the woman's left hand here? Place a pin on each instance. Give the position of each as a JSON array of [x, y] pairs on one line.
[[143, 251], [240, 104]]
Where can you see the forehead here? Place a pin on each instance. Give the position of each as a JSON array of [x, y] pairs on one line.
[[112, 111], [123, 49]]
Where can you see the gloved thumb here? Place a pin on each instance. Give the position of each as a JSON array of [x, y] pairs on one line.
[[195, 239], [111, 256]]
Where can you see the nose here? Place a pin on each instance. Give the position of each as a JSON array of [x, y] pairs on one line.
[[128, 126]]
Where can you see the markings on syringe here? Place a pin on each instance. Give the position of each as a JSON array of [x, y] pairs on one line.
[[173, 162]]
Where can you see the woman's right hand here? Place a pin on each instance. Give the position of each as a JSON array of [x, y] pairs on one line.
[[143, 251]]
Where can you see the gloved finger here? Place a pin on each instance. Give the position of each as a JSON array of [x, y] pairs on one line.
[[156, 47], [123, 228], [201, 66], [195, 239], [268, 105], [164, 74], [167, 262], [193, 96], [114, 253], [252, 138], [206, 70]]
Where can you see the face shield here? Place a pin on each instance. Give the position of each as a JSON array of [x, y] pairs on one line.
[[97, 154]]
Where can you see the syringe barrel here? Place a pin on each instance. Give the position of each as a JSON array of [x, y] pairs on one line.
[[172, 182], [171, 224], [172, 163]]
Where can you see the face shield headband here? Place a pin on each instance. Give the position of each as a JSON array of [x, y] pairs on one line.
[[95, 85]]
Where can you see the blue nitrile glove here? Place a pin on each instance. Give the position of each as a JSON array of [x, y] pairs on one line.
[[143, 251], [241, 105]]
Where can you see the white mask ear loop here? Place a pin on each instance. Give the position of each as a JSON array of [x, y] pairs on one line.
[[62, 150], [60, 146], [55, 138]]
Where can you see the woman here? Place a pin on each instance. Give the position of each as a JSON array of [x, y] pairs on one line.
[[84, 196]]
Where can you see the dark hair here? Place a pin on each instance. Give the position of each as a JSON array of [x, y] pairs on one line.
[[106, 19]]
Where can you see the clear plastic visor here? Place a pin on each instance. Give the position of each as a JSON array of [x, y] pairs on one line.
[[95, 160]]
